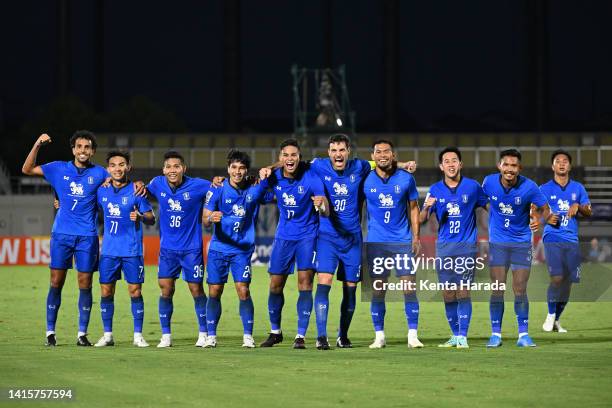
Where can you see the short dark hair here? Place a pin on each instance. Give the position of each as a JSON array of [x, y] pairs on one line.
[[558, 152], [173, 154], [511, 153], [237, 156], [118, 153], [289, 142], [450, 149], [84, 134], [339, 138], [383, 141]]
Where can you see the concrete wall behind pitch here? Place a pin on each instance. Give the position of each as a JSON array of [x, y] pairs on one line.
[[26, 214]]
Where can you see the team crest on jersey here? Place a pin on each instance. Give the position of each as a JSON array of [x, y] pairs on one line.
[[340, 189], [506, 209], [76, 189], [517, 200], [563, 205], [175, 205], [385, 200], [186, 195], [301, 189], [573, 196], [289, 200], [397, 189], [249, 198], [124, 200], [113, 210], [453, 209], [90, 180], [464, 198], [353, 178], [238, 210]]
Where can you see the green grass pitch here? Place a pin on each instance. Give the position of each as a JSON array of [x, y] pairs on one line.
[[564, 370]]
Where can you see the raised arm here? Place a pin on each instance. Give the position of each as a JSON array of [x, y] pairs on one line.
[[425, 213], [29, 166]]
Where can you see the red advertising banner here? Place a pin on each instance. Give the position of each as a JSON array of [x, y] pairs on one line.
[[35, 250]]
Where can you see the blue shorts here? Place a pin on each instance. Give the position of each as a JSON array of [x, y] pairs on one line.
[[456, 269], [219, 265], [383, 257], [84, 249], [563, 259], [286, 253], [171, 262], [111, 267], [343, 254], [510, 254]]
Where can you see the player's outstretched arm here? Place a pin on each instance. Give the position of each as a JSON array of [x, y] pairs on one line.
[[409, 166], [415, 227], [29, 166]]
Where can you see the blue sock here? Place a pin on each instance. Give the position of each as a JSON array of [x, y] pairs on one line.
[[464, 314], [85, 302], [247, 315], [496, 312], [451, 316], [213, 314], [560, 308], [304, 309], [321, 305], [552, 296], [411, 308], [521, 308], [165, 313], [137, 313], [107, 309], [275, 309], [200, 310], [54, 300], [347, 309], [378, 308]]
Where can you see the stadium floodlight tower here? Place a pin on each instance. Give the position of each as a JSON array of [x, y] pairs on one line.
[[321, 104]]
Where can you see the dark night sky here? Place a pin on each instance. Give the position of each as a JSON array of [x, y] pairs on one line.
[[459, 61]]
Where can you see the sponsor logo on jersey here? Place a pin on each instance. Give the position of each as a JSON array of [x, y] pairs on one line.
[[340, 189], [289, 199], [385, 200], [113, 210], [506, 209], [175, 205], [238, 210], [453, 209], [563, 205], [76, 189]]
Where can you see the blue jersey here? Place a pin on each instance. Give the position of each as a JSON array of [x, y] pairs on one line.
[[560, 199], [455, 210], [236, 231], [344, 193], [180, 212], [298, 218], [509, 208], [76, 191], [387, 201], [122, 236]]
